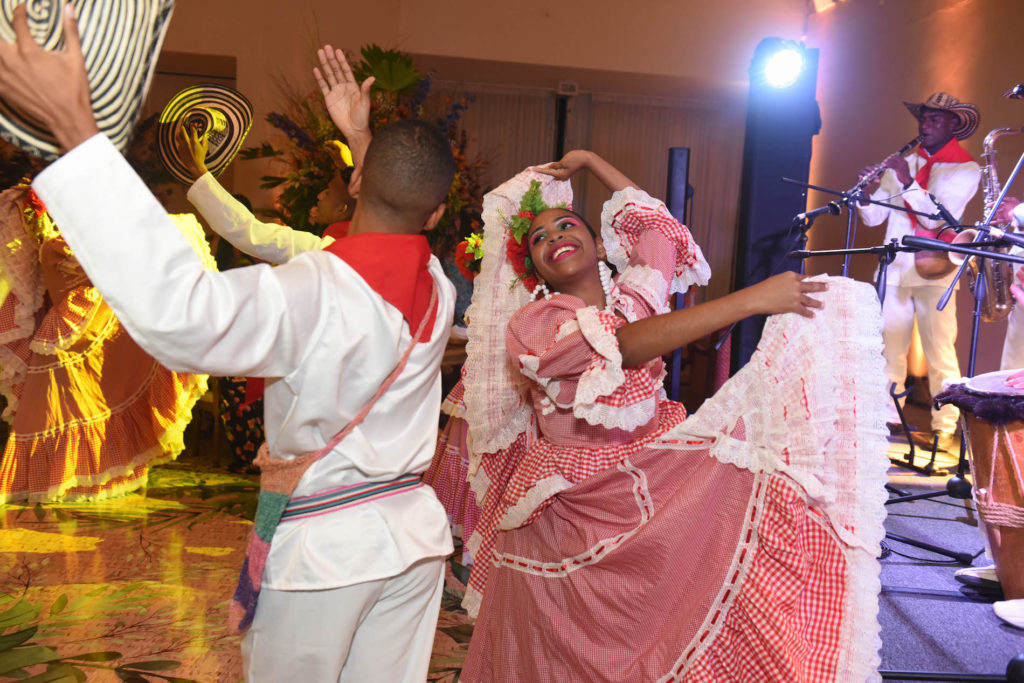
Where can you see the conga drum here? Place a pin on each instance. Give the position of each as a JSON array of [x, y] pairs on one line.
[[993, 416]]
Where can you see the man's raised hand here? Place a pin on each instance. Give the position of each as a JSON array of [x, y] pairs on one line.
[[347, 101]]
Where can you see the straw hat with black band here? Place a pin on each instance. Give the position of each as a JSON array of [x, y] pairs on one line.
[[120, 41], [966, 113]]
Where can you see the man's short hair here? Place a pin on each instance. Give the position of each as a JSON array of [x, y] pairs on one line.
[[407, 171]]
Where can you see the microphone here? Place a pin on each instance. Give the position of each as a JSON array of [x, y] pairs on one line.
[[1015, 93], [943, 211], [832, 208]]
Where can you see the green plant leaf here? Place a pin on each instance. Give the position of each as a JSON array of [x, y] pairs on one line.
[[13, 640], [58, 673], [154, 665], [18, 614], [59, 604], [39, 511], [22, 657], [108, 656], [394, 71], [129, 676], [460, 634]]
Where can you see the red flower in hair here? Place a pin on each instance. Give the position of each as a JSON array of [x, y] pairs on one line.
[[519, 256]]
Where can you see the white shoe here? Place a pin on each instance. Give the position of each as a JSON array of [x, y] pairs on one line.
[[978, 576], [1010, 611]]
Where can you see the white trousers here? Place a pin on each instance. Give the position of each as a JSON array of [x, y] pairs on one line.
[[1013, 344], [938, 339], [377, 631]]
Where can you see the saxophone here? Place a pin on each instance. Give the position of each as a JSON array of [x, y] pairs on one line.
[[998, 275]]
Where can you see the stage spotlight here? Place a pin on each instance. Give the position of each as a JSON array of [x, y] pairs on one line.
[[784, 67], [782, 119]]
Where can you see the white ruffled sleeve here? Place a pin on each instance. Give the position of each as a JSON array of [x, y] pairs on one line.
[[638, 229]]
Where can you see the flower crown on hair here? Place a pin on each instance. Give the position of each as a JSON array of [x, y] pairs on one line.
[[470, 251]]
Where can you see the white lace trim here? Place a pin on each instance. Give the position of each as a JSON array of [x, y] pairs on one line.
[[566, 329], [530, 366], [543, 490], [472, 600], [649, 283], [602, 378], [618, 417], [496, 409], [453, 409], [596, 552], [600, 338]]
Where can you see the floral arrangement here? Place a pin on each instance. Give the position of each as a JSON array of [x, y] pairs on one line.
[[307, 162], [310, 159], [468, 254]]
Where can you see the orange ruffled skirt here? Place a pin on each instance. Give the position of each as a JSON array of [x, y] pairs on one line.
[[94, 411]]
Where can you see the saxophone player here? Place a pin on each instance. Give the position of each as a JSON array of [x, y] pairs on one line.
[[942, 167]]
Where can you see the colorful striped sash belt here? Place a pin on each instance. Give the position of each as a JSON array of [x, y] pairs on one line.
[[300, 507]]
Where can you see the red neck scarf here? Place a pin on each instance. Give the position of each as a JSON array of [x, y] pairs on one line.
[[394, 266], [950, 153]]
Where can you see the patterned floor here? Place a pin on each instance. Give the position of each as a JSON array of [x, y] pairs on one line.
[[137, 589]]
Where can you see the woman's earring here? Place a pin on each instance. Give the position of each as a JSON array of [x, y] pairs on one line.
[[606, 283], [541, 288]]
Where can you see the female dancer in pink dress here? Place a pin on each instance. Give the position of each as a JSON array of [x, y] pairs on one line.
[[620, 540], [89, 411]]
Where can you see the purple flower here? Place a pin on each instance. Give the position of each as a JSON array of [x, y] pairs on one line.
[[293, 130], [420, 94]]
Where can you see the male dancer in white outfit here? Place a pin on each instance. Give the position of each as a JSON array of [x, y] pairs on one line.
[[940, 167], [351, 595]]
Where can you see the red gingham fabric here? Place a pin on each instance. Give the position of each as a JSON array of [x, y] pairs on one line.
[[708, 574], [448, 473], [635, 222]]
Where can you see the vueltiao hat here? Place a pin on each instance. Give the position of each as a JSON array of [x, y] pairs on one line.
[[967, 113], [223, 113], [120, 42]]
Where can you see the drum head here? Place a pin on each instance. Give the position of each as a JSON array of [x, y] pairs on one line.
[[993, 383]]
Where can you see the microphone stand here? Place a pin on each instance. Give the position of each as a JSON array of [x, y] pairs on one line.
[[803, 222]]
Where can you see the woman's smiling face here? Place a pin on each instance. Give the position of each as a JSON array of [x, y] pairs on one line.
[[562, 246]]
